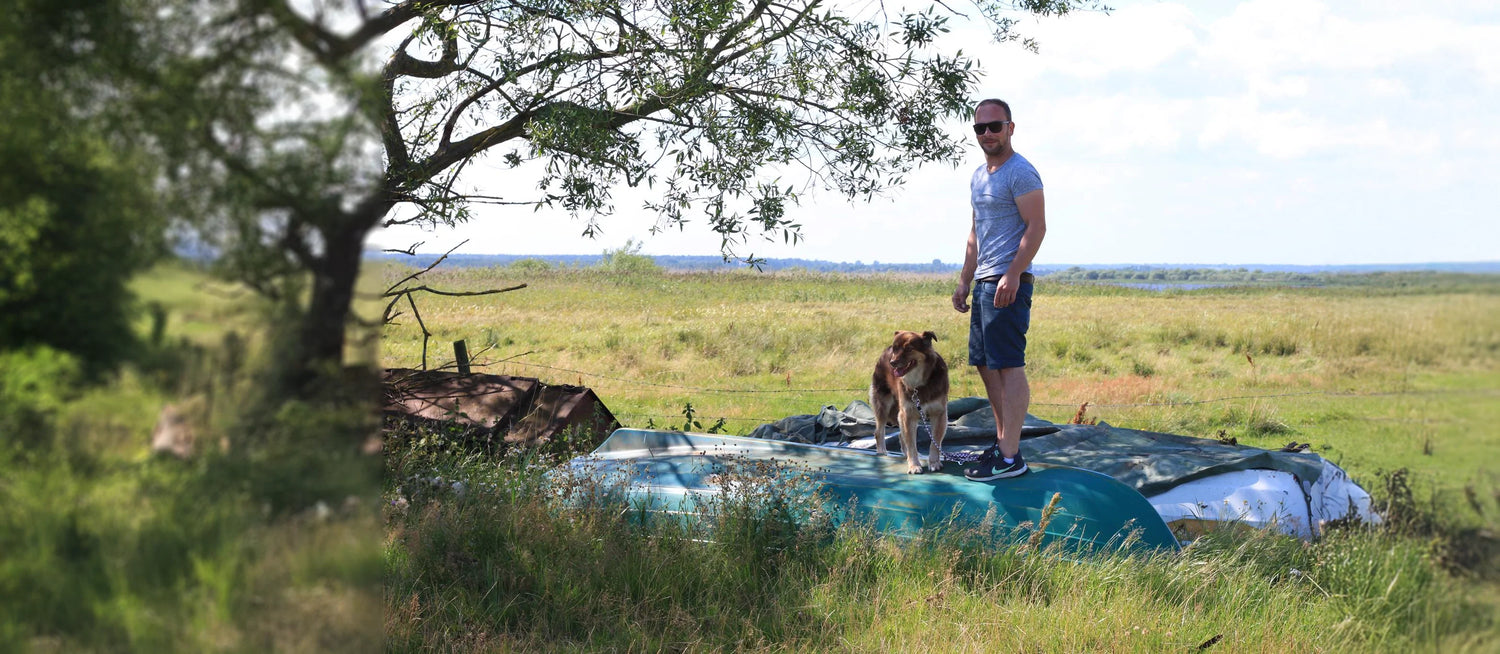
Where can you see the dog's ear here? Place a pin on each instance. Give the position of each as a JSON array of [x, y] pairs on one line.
[[929, 336]]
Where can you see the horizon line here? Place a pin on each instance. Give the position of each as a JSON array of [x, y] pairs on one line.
[[861, 262]]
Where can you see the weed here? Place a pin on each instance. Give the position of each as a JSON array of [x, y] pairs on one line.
[[1141, 369]]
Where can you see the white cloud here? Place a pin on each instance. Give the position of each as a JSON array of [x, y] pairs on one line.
[[1132, 38], [1387, 87], [1106, 125], [1292, 134], [1271, 37], [1292, 86]]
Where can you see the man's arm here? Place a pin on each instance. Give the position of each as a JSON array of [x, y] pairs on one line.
[[966, 275], [1033, 208]]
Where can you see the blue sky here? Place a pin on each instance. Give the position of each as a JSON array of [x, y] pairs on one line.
[[1266, 131]]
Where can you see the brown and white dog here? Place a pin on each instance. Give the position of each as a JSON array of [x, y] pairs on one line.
[[911, 376]]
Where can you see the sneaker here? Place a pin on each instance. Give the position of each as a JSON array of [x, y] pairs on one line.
[[993, 466]]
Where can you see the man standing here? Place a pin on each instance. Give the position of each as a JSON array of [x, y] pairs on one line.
[[1009, 223]]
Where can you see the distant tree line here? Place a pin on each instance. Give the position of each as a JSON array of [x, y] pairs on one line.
[[629, 259], [612, 258], [1189, 275], [1424, 280]]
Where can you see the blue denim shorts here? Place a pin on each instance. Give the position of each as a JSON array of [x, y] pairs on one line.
[[997, 337]]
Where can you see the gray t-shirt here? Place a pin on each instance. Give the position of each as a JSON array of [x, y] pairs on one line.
[[997, 222]]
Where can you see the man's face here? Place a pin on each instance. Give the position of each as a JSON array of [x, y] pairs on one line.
[[993, 143]]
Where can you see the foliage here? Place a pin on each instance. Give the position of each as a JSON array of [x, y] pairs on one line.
[[104, 547], [531, 265], [627, 260], [291, 135], [78, 214], [35, 384], [690, 421]]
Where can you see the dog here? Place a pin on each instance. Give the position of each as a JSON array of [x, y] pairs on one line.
[[911, 376]]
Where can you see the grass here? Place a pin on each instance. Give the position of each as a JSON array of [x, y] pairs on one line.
[[105, 547], [512, 568], [1380, 377], [1371, 377]]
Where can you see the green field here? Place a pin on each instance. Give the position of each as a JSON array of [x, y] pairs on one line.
[[1380, 374], [1376, 378], [104, 547]]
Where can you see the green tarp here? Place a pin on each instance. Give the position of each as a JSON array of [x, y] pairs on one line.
[[1149, 462]]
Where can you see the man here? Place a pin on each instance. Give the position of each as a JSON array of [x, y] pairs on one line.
[[1009, 221]]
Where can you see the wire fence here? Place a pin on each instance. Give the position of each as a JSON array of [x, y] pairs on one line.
[[639, 382], [673, 419], [864, 389]]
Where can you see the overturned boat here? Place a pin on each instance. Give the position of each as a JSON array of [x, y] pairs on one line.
[[1070, 508], [1193, 484]]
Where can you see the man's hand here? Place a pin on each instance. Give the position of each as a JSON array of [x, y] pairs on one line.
[[1005, 293], [961, 298]]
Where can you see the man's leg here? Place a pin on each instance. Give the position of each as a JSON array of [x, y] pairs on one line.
[[1015, 396], [994, 389], [1010, 396]]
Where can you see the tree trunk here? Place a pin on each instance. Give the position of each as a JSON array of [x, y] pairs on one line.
[[320, 347]]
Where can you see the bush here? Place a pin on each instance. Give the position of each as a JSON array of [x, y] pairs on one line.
[[77, 219], [35, 383], [530, 265], [628, 260]]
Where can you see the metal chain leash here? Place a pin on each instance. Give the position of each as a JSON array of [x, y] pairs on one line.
[[957, 457]]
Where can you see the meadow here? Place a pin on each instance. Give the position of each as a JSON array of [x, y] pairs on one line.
[[1396, 379], [250, 548], [106, 546], [1374, 377]]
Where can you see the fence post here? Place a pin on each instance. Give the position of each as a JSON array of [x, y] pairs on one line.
[[158, 322], [461, 354]]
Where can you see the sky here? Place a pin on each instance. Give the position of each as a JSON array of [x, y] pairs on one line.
[[1265, 131]]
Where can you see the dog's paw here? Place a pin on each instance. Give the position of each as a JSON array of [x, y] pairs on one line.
[[913, 469], [935, 466]]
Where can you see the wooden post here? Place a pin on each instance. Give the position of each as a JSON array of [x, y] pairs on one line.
[[158, 322], [461, 354]]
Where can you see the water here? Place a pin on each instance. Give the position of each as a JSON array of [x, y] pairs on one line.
[[1174, 286]]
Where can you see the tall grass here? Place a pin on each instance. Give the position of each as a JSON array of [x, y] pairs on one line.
[[1366, 372], [505, 563], [1389, 382], [105, 547]]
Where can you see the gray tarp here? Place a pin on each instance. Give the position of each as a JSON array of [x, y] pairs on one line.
[[1150, 462]]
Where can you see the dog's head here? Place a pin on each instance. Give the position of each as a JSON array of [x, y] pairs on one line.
[[910, 350]]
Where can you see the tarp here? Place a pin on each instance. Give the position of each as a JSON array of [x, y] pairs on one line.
[[684, 475], [1149, 462], [1268, 499], [1193, 483], [496, 411]]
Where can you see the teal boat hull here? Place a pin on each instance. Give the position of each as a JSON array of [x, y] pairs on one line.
[[679, 473]]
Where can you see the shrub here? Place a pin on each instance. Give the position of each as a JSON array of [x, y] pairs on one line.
[[530, 265], [627, 259], [35, 383]]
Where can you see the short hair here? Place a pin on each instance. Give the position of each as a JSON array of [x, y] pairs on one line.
[[995, 101]]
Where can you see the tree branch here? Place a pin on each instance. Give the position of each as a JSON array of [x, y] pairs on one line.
[[334, 50]]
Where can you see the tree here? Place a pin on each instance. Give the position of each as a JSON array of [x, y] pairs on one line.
[[78, 216], [305, 141]]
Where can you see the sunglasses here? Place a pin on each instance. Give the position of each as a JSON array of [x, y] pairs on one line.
[[994, 126]]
